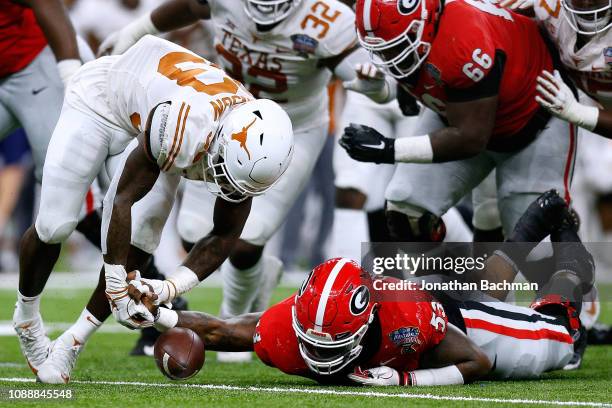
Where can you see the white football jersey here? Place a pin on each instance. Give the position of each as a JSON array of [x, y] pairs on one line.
[[591, 65], [283, 64], [155, 71]]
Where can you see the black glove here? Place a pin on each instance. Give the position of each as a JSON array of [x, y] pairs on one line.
[[365, 144], [407, 103]]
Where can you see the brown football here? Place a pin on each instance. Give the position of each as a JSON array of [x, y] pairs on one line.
[[179, 353]]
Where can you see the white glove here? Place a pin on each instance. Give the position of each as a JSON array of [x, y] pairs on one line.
[[378, 376], [370, 81], [119, 41], [558, 99], [517, 4], [164, 290], [67, 68], [124, 309]]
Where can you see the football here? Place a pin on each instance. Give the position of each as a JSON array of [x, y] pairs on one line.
[[179, 353]]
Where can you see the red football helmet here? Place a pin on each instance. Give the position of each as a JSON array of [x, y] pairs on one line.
[[398, 32], [332, 313]]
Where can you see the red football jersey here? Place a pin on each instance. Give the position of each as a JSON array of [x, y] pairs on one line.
[[407, 330], [21, 39], [469, 35]]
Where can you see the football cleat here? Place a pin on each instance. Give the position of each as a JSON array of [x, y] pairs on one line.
[[63, 355], [543, 216], [33, 341]]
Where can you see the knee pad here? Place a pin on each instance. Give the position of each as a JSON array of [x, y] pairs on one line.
[[426, 228], [54, 231], [486, 215]]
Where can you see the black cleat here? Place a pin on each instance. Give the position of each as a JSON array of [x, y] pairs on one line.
[[542, 217]]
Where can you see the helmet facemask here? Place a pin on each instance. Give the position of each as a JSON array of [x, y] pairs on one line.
[[267, 12], [324, 355], [588, 17]]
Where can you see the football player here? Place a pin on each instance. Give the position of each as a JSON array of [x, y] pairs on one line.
[[581, 32], [285, 50], [340, 322], [475, 65], [184, 117]]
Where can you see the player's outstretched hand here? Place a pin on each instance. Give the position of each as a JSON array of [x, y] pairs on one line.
[[556, 96], [378, 376], [366, 144], [369, 81], [119, 41]]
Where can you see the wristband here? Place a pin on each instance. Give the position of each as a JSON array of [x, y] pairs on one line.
[[166, 319], [67, 68], [416, 149], [183, 280], [436, 376], [585, 116]]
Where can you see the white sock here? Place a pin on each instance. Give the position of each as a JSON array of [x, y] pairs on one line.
[[85, 326], [239, 288], [350, 229], [27, 307]]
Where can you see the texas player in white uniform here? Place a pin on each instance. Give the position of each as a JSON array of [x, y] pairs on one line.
[[581, 31], [190, 120], [285, 50]]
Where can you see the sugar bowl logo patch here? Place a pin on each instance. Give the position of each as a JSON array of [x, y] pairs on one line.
[[406, 338], [304, 44]]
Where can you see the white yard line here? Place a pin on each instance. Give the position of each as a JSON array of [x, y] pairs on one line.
[[326, 391]]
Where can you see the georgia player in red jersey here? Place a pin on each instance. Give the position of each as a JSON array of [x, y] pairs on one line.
[[475, 65]]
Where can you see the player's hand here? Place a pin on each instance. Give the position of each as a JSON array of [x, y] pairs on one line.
[[162, 290], [119, 41], [377, 376], [555, 95], [366, 144], [369, 81], [517, 4], [125, 310]]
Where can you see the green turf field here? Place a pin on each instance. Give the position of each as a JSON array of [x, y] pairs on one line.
[[106, 375]]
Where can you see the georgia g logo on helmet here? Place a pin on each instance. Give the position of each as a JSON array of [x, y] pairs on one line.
[[359, 300], [407, 7]]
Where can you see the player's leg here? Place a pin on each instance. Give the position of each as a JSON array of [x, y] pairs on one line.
[[149, 216], [486, 219], [355, 181], [419, 194], [75, 155]]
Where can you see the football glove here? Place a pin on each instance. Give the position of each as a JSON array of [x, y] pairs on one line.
[[377, 376], [369, 81], [366, 144], [162, 288], [557, 98], [125, 310], [119, 41], [517, 4]]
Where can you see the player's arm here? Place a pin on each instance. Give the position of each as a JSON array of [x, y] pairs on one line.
[[559, 100], [470, 111], [137, 179], [455, 360], [171, 15], [55, 24]]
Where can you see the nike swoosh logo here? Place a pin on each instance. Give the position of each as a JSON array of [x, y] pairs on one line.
[[379, 146], [92, 322], [39, 90]]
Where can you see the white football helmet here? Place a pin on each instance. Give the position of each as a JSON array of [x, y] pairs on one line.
[[588, 17], [267, 12], [251, 150]]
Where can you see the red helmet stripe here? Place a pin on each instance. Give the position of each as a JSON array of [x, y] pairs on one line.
[[329, 283], [367, 19]]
